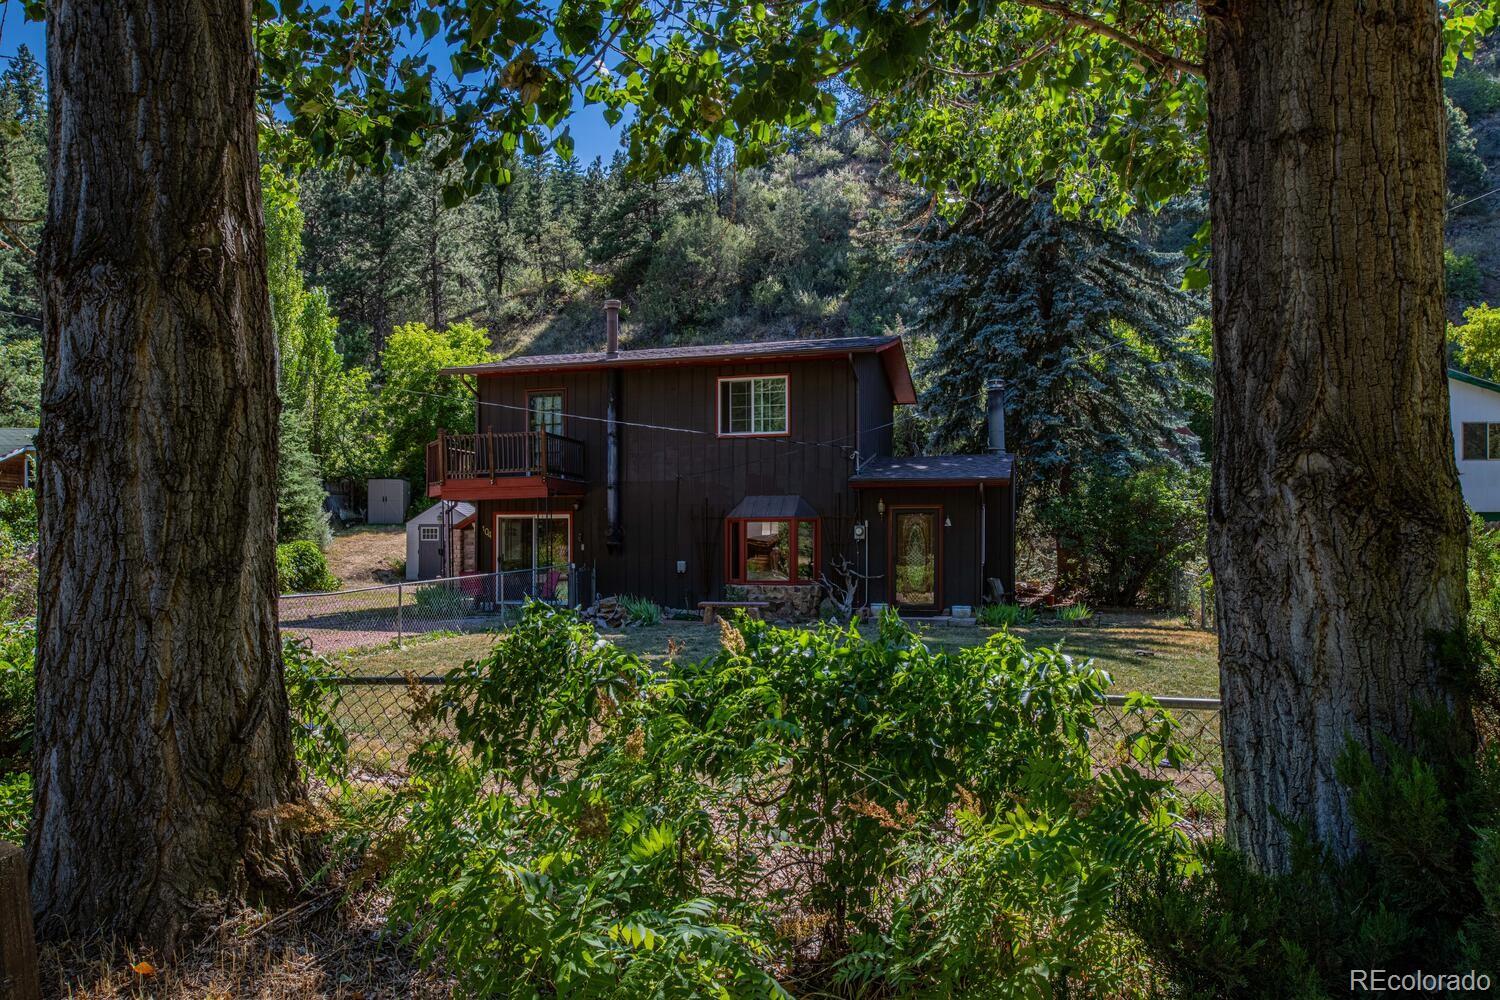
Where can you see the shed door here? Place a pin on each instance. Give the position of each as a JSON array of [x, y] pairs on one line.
[[429, 554]]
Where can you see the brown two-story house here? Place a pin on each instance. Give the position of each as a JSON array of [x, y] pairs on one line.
[[735, 471]]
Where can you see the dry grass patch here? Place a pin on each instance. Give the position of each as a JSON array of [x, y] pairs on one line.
[[335, 951], [368, 554]]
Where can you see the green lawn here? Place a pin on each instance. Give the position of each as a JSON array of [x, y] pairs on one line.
[[1142, 652]]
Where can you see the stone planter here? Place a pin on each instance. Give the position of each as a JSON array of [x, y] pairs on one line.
[[784, 603]]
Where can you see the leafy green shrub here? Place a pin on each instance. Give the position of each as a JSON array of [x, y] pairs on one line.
[[17, 692], [1005, 615], [585, 823], [641, 610], [1462, 274], [302, 568], [1421, 894], [1075, 614], [314, 700], [1132, 534], [18, 582], [15, 806], [442, 600], [1474, 90], [18, 517]]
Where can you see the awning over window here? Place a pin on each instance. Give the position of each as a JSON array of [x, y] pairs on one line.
[[773, 508]]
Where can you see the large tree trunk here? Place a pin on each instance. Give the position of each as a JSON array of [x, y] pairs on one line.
[[1337, 528], [163, 753]]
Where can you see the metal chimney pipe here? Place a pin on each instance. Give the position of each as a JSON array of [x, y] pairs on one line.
[[611, 327], [995, 413]]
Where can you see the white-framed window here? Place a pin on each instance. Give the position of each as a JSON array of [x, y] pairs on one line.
[[428, 532], [753, 405], [1481, 442]]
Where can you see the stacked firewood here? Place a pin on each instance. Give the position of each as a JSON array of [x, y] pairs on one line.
[[606, 611]]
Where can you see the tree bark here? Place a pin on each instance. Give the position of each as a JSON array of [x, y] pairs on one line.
[[163, 750], [1337, 531]]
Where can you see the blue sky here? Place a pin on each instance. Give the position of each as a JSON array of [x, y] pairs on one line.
[[592, 135]]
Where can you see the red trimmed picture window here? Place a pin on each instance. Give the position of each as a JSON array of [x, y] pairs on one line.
[[773, 551]]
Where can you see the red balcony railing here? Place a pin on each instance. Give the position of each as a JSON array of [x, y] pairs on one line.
[[502, 455]]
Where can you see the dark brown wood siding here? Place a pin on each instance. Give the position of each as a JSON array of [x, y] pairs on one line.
[[679, 478], [961, 576], [13, 472]]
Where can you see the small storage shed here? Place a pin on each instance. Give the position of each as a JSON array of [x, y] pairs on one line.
[[427, 557], [388, 501], [16, 455]]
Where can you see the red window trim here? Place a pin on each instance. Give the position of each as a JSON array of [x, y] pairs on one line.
[[890, 553], [533, 515], [719, 408], [562, 414], [734, 540]]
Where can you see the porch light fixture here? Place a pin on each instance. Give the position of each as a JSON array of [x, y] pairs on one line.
[[947, 522], [880, 506]]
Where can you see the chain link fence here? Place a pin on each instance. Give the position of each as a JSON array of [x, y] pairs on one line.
[[342, 620], [384, 718]]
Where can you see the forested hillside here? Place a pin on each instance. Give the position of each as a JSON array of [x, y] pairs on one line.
[[808, 244]]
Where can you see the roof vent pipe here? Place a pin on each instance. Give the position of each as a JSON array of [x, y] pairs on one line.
[[994, 403], [611, 327]]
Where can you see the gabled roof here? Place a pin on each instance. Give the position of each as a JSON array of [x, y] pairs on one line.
[[935, 470], [14, 440], [771, 508], [1475, 380], [889, 349]]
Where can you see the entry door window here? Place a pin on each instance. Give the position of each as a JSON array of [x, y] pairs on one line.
[[915, 552], [533, 555]]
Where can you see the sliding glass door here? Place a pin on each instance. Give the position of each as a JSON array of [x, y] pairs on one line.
[[532, 551]]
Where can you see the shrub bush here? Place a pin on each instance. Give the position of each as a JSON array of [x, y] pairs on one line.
[[772, 816], [18, 518], [1461, 272], [302, 568], [1424, 893], [17, 693], [1474, 90], [314, 700], [1005, 615], [641, 610], [1075, 614]]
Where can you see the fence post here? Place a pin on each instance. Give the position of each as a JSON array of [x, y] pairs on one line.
[[399, 602], [19, 976]]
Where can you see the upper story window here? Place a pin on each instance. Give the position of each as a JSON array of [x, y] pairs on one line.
[[1481, 441], [544, 411], [754, 405]]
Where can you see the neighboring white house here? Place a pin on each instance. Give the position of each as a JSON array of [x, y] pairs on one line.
[[426, 555], [1474, 409]]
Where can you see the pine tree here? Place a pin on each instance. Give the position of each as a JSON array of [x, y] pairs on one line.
[[23, 199], [299, 490], [1086, 325]]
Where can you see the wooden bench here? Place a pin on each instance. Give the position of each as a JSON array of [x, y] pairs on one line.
[[711, 608]]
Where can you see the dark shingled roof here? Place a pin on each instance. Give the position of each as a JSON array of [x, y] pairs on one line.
[[15, 439], [766, 508], [935, 469], [889, 347]]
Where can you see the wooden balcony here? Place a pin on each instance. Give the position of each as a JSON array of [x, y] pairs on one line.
[[504, 465]]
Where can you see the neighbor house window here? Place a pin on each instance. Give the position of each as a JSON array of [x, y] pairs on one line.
[[545, 411], [429, 532], [1481, 441], [780, 551], [753, 405]]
